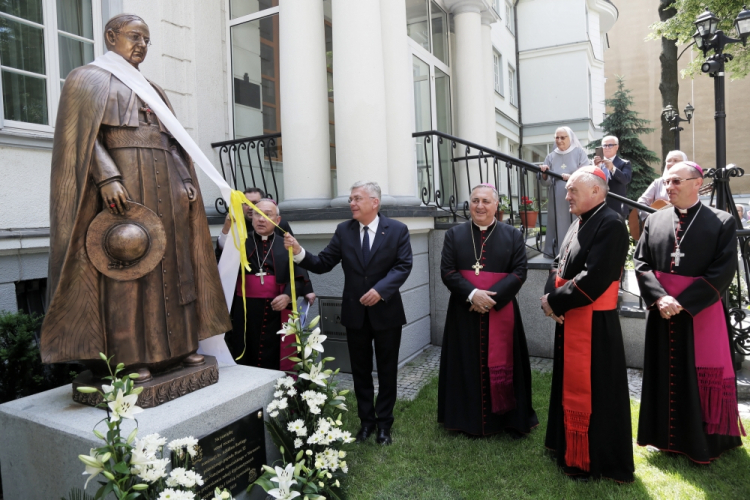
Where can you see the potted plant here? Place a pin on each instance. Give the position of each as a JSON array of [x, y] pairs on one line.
[[528, 212], [502, 207]]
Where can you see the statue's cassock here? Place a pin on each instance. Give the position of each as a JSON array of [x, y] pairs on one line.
[[105, 132], [677, 398], [470, 381], [590, 264]]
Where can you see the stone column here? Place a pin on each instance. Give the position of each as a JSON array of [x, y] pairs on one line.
[[304, 105], [470, 82], [489, 77], [359, 97], [402, 168]]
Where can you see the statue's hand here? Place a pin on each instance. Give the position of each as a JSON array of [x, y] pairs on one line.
[[115, 196], [190, 191]]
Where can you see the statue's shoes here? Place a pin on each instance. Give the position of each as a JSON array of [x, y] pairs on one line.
[[144, 375], [194, 360]]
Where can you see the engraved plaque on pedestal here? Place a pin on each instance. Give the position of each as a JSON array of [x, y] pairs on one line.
[[232, 457]]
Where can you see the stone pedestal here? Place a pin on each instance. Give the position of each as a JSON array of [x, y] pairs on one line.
[[41, 436]]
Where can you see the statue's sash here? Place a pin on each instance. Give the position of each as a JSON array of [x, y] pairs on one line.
[[500, 345], [132, 78], [713, 361], [576, 396]]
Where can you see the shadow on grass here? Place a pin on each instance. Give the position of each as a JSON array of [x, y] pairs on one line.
[[428, 462]]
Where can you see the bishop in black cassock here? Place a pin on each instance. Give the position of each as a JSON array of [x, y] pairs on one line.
[[685, 260], [267, 294], [485, 377], [589, 427]]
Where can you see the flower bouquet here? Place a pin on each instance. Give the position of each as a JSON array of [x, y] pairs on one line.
[[305, 423], [136, 468]]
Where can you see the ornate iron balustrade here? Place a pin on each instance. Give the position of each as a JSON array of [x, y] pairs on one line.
[[471, 161], [254, 150]]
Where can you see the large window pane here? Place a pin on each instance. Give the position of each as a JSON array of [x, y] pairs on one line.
[[74, 16], [416, 22], [239, 8], [439, 33], [443, 115], [422, 121], [30, 10], [73, 53], [21, 46], [246, 68], [24, 98]]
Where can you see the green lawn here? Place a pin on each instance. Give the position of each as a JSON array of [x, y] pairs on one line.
[[427, 462]]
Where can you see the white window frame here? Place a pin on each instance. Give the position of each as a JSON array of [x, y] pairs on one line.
[[497, 59], [510, 22], [52, 68], [586, 8], [513, 85], [496, 7], [230, 23]]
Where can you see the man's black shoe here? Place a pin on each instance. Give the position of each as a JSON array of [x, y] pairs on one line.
[[384, 437], [365, 432]]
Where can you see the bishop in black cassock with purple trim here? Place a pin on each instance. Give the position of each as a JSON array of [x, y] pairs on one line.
[[684, 262], [485, 376]]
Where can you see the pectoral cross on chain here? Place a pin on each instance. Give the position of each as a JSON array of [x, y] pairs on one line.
[[260, 275], [476, 267], [148, 112], [677, 255]]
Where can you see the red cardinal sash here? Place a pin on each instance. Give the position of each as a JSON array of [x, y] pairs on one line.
[[576, 397], [500, 345], [269, 289], [713, 361]]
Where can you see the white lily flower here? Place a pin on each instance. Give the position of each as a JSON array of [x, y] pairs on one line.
[[283, 493], [93, 463], [109, 392], [316, 375], [286, 329], [285, 475], [314, 342], [124, 406]]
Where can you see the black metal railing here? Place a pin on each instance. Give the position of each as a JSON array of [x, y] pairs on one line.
[[475, 162], [240, 159]]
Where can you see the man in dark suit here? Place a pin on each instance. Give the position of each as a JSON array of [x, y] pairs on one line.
[[375, 253], [620, 172]]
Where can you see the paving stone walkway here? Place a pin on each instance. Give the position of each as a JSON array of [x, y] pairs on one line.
[[417, 372]]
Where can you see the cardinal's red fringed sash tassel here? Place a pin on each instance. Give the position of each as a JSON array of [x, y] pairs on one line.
[[713, 362], [576, 397], [500, 348]]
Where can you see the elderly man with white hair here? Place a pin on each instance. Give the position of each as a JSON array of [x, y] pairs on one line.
[[485, 375], [375, 254], [618, 170], [589, 426], [657, 190]]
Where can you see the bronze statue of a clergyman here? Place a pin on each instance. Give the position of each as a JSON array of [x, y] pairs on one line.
[[132, 271]]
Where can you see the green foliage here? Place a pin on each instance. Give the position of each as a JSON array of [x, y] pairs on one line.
[[429, 462], [21, 370], [624, 124], [681, 28]]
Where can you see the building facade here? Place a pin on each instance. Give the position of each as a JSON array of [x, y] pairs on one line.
[[335, 88]]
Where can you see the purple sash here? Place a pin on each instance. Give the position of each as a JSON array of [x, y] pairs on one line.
[[500, 348], [713, 361]]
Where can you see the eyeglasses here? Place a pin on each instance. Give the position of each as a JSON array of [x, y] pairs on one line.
[[358, 199], [137, 38], [607, 146], [676, 181]]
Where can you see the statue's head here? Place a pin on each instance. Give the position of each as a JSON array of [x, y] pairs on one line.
[[128, 35]]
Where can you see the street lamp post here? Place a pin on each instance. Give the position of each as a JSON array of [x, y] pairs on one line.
[[709, 38], [672, 116]]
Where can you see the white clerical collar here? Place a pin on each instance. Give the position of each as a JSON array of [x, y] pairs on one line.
[[685, 210], [481, 228]]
